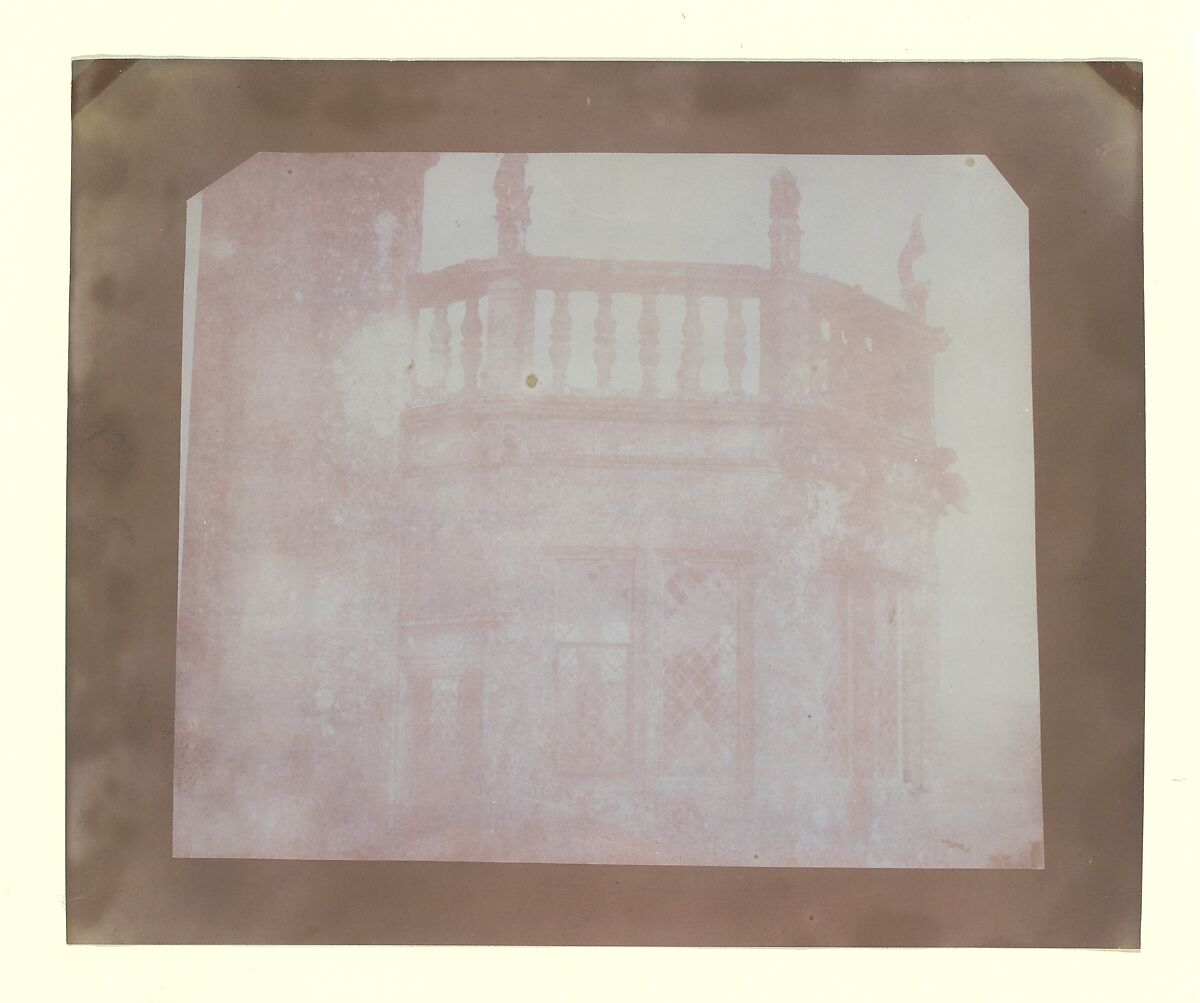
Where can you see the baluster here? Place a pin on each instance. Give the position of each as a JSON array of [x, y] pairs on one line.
[[735, 344], [560, 339], [410, 374], [648, 326], [691, 359], [472, 347], [439, 350], [605, 343]]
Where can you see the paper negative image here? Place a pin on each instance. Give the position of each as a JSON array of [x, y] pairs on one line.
[[608, 508]]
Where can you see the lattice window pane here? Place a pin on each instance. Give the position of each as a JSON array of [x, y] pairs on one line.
[[699, 718], [592, 700], [864, 694]]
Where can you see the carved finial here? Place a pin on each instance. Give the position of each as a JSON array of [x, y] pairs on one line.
[[912, 291], [512, 203], [785, 196], [785, 229]]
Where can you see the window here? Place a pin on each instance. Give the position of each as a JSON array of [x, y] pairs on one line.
[[652, 682], [699, 726], [864, 716], [593, 653]]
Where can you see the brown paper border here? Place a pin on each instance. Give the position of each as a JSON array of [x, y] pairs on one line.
[[161, 130]]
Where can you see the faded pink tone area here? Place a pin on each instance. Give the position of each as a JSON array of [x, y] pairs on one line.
[[535, 557]]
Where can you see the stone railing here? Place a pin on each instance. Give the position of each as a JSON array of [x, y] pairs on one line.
[[518, 322], [497, 299]]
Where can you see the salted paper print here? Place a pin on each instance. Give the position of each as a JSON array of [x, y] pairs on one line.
[[670, 509]]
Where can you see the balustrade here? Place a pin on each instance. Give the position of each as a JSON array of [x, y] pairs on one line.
[[439, 347], [604, 341], [472, 346], [807, 335], [735, 345], [560, 338], [691, 355], [648, 353], [574, 342]]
